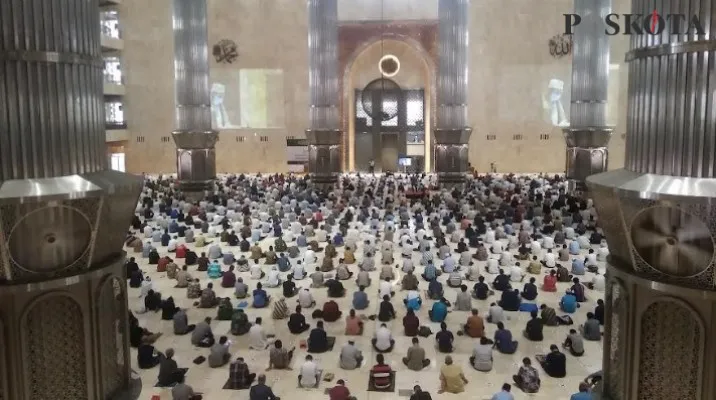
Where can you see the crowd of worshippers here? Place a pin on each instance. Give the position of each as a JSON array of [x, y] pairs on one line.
[[489, 220]]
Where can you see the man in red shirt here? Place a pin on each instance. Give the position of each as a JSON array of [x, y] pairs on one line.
[[331, 312], [340, 391], [550, 282], [381, 374]]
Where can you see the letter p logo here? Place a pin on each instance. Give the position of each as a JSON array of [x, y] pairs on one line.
[[570, 21]]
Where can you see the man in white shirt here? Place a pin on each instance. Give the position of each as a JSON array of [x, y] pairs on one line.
[[536, 248], [602, 252], [590, 259], [172, 246], [550, 261], [385, 288], [598, 282], [258, 339], [408, 265], [274, 280], [305, 299], [449, 265], [309, 373], [256, 272], [569, 233], [493, 266], [497, 247], [489, 236], [495, 314], [516, 273], [505, 258], [298, 271], [148, 231], [548, 242], [383, 339], [147, 285]]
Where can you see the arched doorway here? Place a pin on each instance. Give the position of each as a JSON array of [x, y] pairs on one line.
[[407, 134]]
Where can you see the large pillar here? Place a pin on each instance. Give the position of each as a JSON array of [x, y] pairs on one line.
[[658, 215], [452, 135], [194, 138], [63, 214], [588, 134], [324, 135]]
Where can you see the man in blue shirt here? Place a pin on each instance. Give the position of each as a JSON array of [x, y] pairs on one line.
[[583, 393], [568, 303], [504, 394], [574, 247], [360, 299], [503, 340], [430, 272], [261, 298], [577, 267], [439, 311]]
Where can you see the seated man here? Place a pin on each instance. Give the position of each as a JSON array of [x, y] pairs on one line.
[[510, 300], [574, 343], [503, 340], [261, 298], [409, 282], [335, 288], [241, 290], [590, 329], [354, 325], [501, 282], [578, 291], [475, 326], [274, 279], [534, 328], [297, 322], [279, 357], [481, 358], [169, 372], [148, 357], [208, 297], [219, 353], [452, 379], [383, 340], [202, 335], [318, 339], [225, 311], [239, 374], [331, 312], [415, 359], [350, 357], [435, 290], [529, 292], [439, 311], [309, 373], [527, 378], [481, 290], [381, 374], [228, 279], [550, 282], [240, 324], [181, 323], [548, 315], [214, 270], [289, 287], [386, 311], [568, 303], [554, 363], [463, 302], [305, 298], [444, 339], [412, 300]]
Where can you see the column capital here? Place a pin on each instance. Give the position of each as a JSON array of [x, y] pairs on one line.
[[452, 136]]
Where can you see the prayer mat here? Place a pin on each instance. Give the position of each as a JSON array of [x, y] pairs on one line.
[[243, 304], [391, 388], [405, 392], [228, 386], [184, 370], [331, 342], [528, 307]]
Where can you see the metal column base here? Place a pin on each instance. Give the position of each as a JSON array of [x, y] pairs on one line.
[[196, 161], [451, 155], [324, 155], [587, 153]]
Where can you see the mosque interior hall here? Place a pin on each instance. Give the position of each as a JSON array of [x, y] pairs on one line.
[[357, 199]]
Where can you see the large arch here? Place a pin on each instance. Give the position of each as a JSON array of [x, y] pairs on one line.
[[392, 41]]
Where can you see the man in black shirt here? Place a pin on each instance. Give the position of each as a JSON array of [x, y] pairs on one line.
[[318, 339], [529, 292], [260, 391], [482, 291], [533, 331], [444, 339], [386, 311], [289, 287], [510, 300], [554, 363], [297, 322], [418, 394], [599, 311], [501, 282], [335, 288]]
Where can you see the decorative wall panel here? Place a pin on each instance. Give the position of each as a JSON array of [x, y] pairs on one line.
[[619, 305], [670, 353], [53, 330], [111, 336]]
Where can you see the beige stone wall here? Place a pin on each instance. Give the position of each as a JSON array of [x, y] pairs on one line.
[[510, 68]]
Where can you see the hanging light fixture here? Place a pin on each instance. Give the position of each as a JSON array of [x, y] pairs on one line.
[[387, 90]]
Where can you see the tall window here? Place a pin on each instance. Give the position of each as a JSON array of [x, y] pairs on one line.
[[117, 162], [112, 70], [109, 21], [114, 115]]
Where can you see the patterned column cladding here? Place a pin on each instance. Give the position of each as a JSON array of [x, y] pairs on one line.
[[194, 137], [588, 135], [658, 213], [63, 214], [451, 134], [324, 134]]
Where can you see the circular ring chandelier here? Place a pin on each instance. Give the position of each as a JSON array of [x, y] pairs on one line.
[[389, 65]]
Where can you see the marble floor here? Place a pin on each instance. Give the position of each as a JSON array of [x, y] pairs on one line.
[[481, 386]]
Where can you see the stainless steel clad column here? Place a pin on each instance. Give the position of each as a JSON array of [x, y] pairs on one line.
[[588, 134], [659, 213], [324, 135], [452, 135], [63, 213], [194, 138]]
